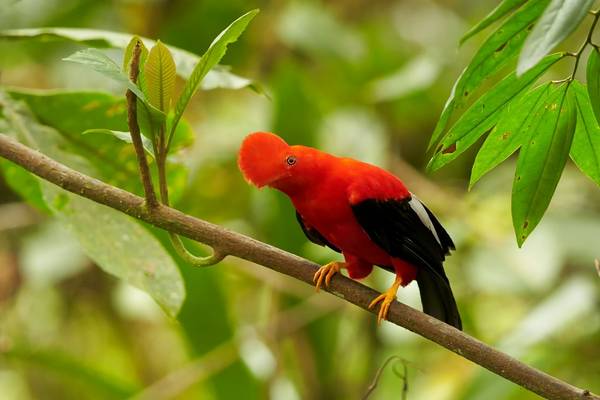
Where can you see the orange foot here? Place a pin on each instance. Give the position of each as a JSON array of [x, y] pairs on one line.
[[386, 299], [326, 272]]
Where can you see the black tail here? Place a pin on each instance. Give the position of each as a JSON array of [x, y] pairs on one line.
[[437, 298]]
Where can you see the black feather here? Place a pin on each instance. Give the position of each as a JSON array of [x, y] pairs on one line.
[[396, 227]]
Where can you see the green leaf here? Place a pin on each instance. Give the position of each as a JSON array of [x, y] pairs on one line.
[[542, 159], [24, 184], [497, 51], [128, 53], [124, 136], [218, 77], [209, 59], [485, 113], [509, 134], [159, 71], [593, 81], [74, 112], [559, 20], [585, 150], [150, 119], [504, 8], [100, 62], [119, 244]]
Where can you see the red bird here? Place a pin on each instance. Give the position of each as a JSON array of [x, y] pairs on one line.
[[361, 211]]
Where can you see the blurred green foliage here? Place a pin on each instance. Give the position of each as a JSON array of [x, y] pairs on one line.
[[367, 81]]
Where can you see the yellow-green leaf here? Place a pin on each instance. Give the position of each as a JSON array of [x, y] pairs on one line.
[[159, 74]]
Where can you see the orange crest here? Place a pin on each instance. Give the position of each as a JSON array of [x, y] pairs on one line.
[[262, 158]]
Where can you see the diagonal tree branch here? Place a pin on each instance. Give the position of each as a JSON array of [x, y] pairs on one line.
[[286, 263]]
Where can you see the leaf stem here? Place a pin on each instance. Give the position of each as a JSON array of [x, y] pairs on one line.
[[161, 163], [134, 130], [216, 257], [579, 52]]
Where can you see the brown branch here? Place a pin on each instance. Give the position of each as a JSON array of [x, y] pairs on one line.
[[250, 249], [134, 129]]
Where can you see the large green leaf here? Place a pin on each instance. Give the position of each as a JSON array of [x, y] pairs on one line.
[[504, 8], [496, 52], [115, 241], [159, 73], [218, 77], [593, 81], [542, 159], [209, 59], [559, 20], [509, 134], [485, 113], [585, 150], [120, 246]]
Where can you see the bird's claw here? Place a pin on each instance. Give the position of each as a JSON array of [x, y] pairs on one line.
[[385, 299], [325, 273]]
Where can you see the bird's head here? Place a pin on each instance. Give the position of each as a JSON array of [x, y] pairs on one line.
[[265, 159]]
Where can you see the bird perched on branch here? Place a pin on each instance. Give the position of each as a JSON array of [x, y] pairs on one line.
[[361, 211]]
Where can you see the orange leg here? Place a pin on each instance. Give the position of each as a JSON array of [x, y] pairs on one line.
[[386, 299], [326, 272]]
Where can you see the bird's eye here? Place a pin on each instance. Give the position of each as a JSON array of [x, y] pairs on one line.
[[291, 160]]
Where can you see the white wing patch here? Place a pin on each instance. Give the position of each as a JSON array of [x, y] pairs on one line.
[[418, 207]]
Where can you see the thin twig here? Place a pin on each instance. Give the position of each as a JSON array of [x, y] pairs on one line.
[[579, 52], [134, 130], [289, 264], [375, 382]]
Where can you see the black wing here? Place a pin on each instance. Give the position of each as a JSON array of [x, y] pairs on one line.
[[314, 235], [397, 228], [407, 230]]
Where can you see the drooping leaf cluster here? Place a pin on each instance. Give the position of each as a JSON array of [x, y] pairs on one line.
[[544, 123]]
